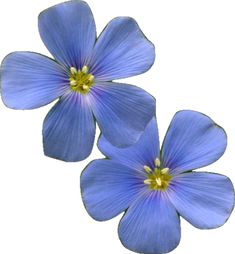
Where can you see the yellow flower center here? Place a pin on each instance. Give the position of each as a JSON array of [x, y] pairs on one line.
[[157, 179], [80, 80]]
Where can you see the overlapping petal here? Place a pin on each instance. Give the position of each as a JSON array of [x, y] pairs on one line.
[[121, 51], [193, 140], [151, 225], [122, 111], [69, 129], [30, 80], [108, 188], [203, 199], [143, 152], [68, 31]]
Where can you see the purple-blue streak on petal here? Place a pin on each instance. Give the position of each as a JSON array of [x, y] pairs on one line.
[[30, 80], [192, 141], [69, 129], [108, 188], [121, 51], [122, 111], [205, 200], [143, 152], [68, 31], [151, 225]]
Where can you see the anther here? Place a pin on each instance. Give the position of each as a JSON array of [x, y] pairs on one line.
[[148, 181], [164, 170], [157, 163], [91, 78], [73, 82], [147, 169], [73, 71], [85, 69], [81, 80], [85, 87], [158, 181]]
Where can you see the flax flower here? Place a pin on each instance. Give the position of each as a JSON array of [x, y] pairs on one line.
[[155, 186], [80, 76]]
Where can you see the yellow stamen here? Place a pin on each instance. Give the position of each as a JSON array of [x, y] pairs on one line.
[[73, 82], [147, 169], [157, 163], [85, 87], [91, 78], [157, 178], [148, 181], [73, 71], [158, 181], [85, 69], [80, 80], [164, 170]]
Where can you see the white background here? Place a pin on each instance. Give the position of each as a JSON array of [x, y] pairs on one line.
[[40, 205]]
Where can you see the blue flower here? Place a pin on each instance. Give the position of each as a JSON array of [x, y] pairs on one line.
[[155, 186], [80, 76]]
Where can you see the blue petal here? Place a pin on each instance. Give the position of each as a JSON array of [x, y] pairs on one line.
[[203, 199], [108, 188], [192, 141], [68, 31], [69, 129], [121, 51], [30, 80], [151, 225], [122, 111], [143, 152]]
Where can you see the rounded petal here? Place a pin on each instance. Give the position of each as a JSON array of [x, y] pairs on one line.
[[151, 225], [108, 188], [192, 141], [69, 129], [30, 80], [205, 200], [121, 51], [68, 31], [143, 152], [122, 111]]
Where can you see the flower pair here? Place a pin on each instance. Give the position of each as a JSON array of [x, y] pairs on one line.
[[152, 186]]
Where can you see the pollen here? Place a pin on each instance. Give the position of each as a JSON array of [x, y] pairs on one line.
[[157, 178], [81, 80]]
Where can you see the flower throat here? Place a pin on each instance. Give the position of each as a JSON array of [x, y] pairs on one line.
[[157, 179], [80, 80]]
